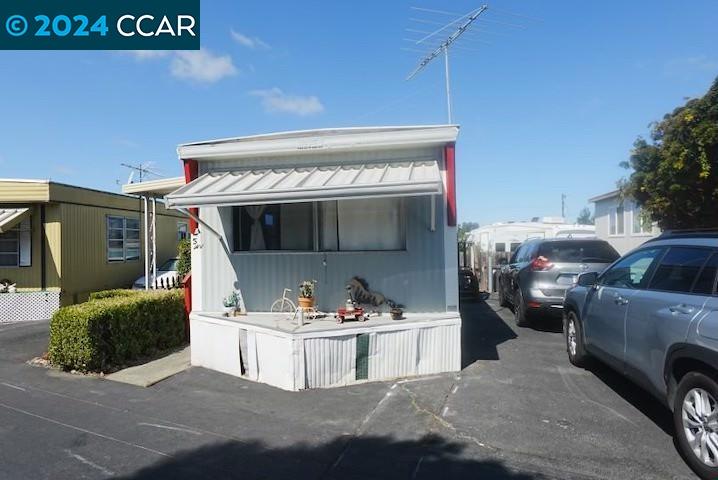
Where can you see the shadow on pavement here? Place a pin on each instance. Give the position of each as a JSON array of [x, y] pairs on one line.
[[635, 395], [482, 330], [547, 322], [342, 457]]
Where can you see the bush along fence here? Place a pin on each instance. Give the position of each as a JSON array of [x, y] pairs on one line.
[[116, 327]]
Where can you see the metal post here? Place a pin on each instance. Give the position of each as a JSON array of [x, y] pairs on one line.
[[448, 83], [147, 246], [154, 240], [490, 270]]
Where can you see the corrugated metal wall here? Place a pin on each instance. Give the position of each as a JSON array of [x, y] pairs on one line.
[[414, 352], [330, 362], [84, 249], [414, 278]]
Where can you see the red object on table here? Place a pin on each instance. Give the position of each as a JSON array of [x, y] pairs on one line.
[[343, 313]]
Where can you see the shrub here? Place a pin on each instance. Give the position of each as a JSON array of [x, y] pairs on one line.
[[118, 292], [109, 332], [184, 257]]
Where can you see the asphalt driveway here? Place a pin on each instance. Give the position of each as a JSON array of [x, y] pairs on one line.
[[518, 410]]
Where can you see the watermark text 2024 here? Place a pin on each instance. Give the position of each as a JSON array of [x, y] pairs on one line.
[[81, 26]]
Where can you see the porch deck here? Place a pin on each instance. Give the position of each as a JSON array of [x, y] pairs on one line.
[[327, 325], [272, 348]]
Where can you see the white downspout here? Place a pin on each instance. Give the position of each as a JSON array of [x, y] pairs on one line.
[[154, 242], [147, 246]]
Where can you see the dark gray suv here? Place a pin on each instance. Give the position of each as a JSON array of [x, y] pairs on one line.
[[653, 316], [541, 270]]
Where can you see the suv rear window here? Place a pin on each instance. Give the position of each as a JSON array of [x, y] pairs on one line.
[[578, 251]]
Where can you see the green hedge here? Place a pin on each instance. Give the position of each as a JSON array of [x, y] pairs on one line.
[[105, 333], [118, 292]]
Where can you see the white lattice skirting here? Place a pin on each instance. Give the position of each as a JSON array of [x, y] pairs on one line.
[[28, 306]]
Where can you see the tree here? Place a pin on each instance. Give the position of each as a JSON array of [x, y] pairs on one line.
[[465, 229], [675, 176], [585, 217], [184, 252]]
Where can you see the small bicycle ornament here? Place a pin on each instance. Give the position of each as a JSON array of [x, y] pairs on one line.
[[284, 303]]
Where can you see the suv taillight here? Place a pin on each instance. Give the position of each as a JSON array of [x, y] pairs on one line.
[[541, 264]]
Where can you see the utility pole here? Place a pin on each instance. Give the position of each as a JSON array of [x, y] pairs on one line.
[[444, 48], [563, 205]]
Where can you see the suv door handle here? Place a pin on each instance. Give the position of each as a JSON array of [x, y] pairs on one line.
[[619, 300], [681, 308]]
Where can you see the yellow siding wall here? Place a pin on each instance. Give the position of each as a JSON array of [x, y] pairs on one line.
[[84, 251], [53, 246], [18, 191]]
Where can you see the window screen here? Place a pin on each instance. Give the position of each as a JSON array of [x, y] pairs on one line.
[[706, 282], [679, 268]]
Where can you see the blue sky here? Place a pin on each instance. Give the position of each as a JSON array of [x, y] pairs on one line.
[[547, 109]]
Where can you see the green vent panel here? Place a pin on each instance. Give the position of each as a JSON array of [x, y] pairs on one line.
[[362, 365]]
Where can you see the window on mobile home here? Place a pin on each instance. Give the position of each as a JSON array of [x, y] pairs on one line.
[[16, 246], [123, 239], [373, 224], [288, 226], [345, 225]]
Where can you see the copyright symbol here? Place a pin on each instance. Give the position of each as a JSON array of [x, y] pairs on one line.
[[16, 25]]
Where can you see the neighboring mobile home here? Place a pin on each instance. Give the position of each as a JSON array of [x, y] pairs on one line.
[[325, 205], [620, 222], [64, 242]]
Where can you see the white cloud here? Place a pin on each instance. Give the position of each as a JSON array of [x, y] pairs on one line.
[[686, 66], [63, 169], [202, 66], [149, 54], [247, 41], [275, 100]]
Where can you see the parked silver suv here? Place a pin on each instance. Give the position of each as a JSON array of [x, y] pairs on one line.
[[653, 316], [541, 270]]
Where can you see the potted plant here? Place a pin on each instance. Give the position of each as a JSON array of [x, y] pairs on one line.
[[306, 294], [230, 304]]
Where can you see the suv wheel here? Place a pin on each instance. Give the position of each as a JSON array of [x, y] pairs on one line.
[[695, 417], [573, 332], [520, 313], [502, 297]]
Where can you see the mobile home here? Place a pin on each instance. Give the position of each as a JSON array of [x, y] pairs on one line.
[[334, 206], [60, 242]]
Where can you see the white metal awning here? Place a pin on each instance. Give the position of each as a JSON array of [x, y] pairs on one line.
[[9, 217], [305, 184]]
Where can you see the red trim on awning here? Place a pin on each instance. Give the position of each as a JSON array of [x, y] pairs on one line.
[[191, 172], [449, 158]]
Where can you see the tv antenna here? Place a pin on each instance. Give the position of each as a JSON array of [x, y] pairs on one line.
[[443, 47], [142, 169]]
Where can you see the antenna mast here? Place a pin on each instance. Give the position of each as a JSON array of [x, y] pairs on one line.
[[444, 47], [143, 169]]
